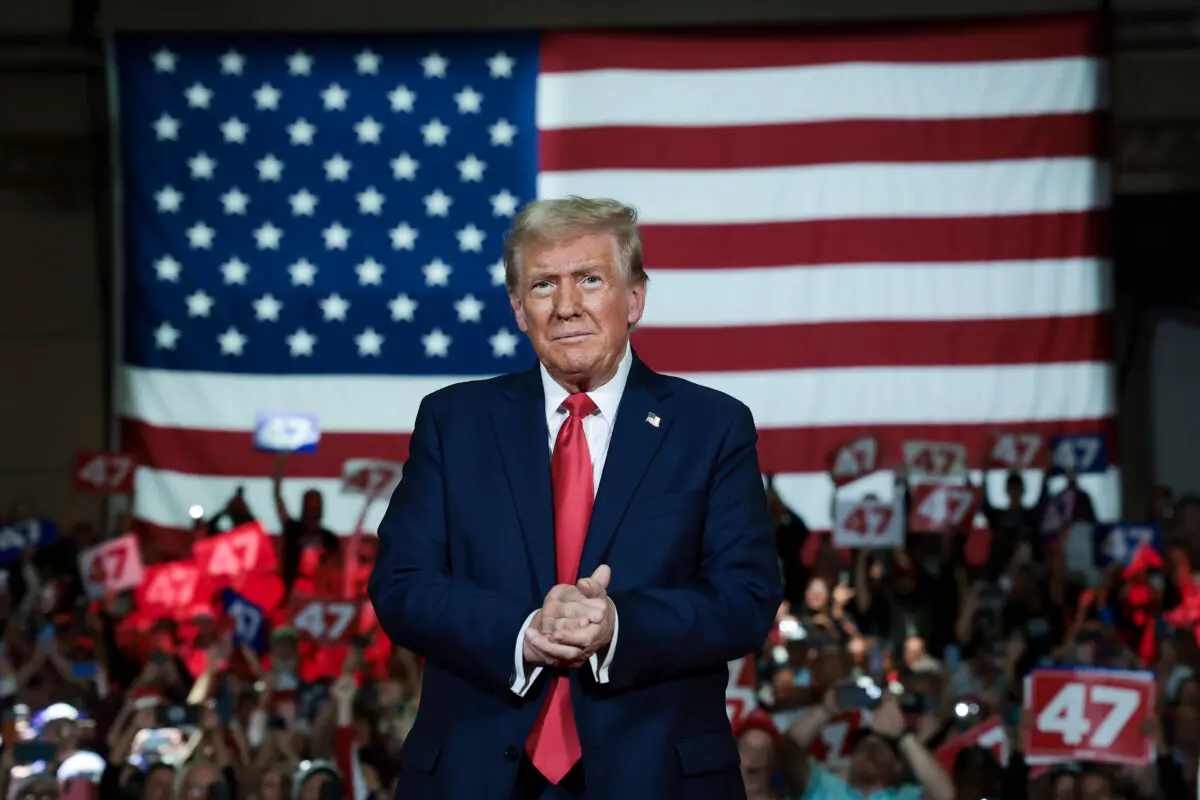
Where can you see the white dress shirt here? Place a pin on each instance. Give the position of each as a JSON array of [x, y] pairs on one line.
[[597, 429]]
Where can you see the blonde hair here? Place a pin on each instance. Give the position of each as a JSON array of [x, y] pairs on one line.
[[546, 221]]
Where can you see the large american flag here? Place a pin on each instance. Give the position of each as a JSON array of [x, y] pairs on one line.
[[888, 230]]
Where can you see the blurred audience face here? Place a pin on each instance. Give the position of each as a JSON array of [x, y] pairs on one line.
[[311, 790], [312, 509], [757, 750], [1014, 489], [1065, 787], [1187, 720], [273, 786], [816, 595], [198, 781], [1095, 786], [158, 784], [873, 764]]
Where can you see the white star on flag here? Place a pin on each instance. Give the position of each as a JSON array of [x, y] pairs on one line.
[[234, 130], [164, 61], [266, 97], [267, 236], [202, 166], [368, 131], [269, 168], [504, 204], [402, 307], [367, 63], [300, 63], [437, 204], [334, 97], [167, 269], [165, 336], [501, 65], [503, 343], [302, 272], [336, 236], [232, 63], [334, 307], [437, 273], [468, 100], [402, 98], [470, 239], [168, 199], [502, 133], [404, 167], [234, 271], [166, 128], [304, 203], [199, 304], [404, 237], [370, 201], [436, 343], [232, 342], [235, 201], [301, 343], [434, 65], [498, 273], [370, 273], [435, 132], [337, 168], [470, 169], [198, 95], [200, 236], [369, 342], [267, 308], [468, 308], [301, 131]]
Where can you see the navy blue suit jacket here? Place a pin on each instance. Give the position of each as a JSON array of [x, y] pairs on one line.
[[466, 553]]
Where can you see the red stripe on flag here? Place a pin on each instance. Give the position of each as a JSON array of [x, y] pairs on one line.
[[781, 450], [800, 144], [1055, 37], [1043, 340], [875, 241]]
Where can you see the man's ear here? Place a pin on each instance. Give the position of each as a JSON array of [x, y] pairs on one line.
[[518, 312]]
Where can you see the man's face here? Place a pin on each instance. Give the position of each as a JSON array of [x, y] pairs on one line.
[[1095, 787], [198, 781], [576, 306], [757, 750], [872, 765], [159, 784]]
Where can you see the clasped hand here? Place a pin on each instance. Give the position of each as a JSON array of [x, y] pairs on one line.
[[573, 624]]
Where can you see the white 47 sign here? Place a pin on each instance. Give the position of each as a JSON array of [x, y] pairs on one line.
[[853, 460], [112, 566], [326, 621], [1094, 715]]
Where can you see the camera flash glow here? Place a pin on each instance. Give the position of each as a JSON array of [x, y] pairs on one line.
[[196, 512]]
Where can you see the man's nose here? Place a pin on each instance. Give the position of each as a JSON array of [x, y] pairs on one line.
[[567, 300]]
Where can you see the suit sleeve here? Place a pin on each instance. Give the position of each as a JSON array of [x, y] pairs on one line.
[[421, 605], [726, 612]]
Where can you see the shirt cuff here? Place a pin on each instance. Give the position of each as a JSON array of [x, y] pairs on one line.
[[521, 682], [600, 670]]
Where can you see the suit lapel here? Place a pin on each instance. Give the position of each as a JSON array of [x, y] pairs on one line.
[[635, 440], [523, 438]]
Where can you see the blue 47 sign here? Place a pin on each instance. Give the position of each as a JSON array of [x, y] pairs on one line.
[[1079, 454], [1118, 543]]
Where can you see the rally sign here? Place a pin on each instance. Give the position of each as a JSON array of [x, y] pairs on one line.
[[868, 522], [112, 566], [169, 590], [988, 734], [1118, 543], [832, 745], [1015, 450], [286, 433], [104, 472], [249, 622], [854, 460], [371, 477], [243, 550], [1089, 715], [18, 537], [1079, 454], [326, 620], [935, 459], [938, 507]]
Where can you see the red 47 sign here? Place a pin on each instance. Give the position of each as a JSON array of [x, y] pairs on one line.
[[370, 477], [832, 746], [170, 589], [867, 523], [939, 507], [111, 566], [326, 620], [104, 473], [935, 459], [242, 551], [1089, 715], [853, 460], [1015, 450]]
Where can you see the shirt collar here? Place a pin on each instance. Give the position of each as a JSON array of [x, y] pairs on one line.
[[606, 397]]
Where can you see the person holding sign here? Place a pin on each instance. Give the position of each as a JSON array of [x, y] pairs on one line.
[[307, 544], [577, 549]]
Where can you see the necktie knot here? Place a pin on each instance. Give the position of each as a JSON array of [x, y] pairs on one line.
[[579, 405]]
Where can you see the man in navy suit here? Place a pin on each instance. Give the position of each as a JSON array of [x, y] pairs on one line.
[[577, 550]]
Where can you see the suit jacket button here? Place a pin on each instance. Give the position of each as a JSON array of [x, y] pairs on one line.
[[511, 753]]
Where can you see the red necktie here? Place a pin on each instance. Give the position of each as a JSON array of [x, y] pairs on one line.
[[553, 745]]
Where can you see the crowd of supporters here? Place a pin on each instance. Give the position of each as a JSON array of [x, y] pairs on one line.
[[884, 667]]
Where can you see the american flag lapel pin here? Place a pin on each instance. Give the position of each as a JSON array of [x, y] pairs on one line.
[[653, 419]]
